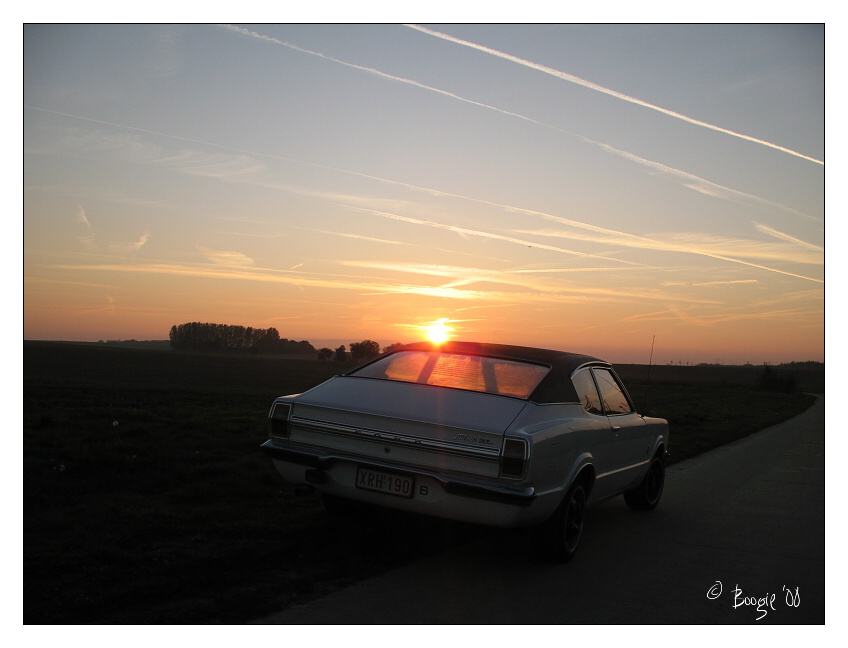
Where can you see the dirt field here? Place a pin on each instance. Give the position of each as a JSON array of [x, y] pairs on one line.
[[146, 499]]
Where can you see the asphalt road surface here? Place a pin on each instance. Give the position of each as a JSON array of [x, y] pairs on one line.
[[737, 539]]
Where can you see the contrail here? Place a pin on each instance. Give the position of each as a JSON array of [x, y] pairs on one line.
[[378, 73], [694, 182], [618, 95], [700, 184], [482, 234], [705, 186], [765, 229]]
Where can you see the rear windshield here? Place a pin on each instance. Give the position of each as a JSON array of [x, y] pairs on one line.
[[476, 373]]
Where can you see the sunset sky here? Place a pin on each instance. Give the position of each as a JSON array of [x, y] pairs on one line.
[[590, 188]]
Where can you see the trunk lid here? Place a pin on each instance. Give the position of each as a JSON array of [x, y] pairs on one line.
[[417, 422]]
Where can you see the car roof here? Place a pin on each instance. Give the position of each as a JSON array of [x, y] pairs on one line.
[[555, 387]]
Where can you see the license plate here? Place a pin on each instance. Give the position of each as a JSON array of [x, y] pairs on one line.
[[383, 482]]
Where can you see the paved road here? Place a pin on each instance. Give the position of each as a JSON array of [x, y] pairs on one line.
[[746, 519]]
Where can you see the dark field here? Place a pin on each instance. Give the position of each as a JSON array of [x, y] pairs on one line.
[[174, 516]]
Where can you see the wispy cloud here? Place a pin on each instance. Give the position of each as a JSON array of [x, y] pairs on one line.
[[709, 283], [691, 243], [226, 257], [241, 169], [129, 248], [696, 183], [618, 95], [683, 316], [88, 238], [82, 218], [373, 239], [111, 303], [567, 295], [765, 229], [360, 237], [463, 231], [459, 275]]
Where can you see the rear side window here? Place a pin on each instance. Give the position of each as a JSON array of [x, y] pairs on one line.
[[460, 371], [587, 392], [614, 398]]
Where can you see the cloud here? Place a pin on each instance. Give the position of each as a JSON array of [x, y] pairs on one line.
[[81, 217], [460, 276], [130, 248], [618, 95], [765, 229], [683, 316], [213, 165], [360, 237], [697, 243], [226, 257], [88, 239], [142, 241], [462, 231], [241, 169], [109, 308], [710, 283], [569, 295]]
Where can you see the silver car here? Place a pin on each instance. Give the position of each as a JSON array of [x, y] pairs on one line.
[[498, 435]]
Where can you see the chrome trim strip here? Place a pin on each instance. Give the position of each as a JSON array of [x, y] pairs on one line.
[[468, 487], [613, 472], [590, 364], [392, 438]]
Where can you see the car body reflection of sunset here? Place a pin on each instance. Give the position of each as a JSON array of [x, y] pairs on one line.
[[588, 188]]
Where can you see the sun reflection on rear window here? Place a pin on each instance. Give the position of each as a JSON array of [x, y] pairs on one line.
[[460, 371]]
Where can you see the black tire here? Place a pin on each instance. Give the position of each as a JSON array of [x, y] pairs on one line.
[[646, 495], [562, 532]]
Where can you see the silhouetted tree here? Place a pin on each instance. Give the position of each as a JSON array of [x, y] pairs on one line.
[[268, 343], [361, 351], [392, 347], [340, 354], [772, 380], [325, 353]]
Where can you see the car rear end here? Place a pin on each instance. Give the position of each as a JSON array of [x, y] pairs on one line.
[[420, 431]]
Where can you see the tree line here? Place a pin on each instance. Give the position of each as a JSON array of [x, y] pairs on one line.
[[227, 338]]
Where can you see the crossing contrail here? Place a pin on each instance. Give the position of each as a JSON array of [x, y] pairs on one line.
[[618, 95], [691, 181], [378, 73]]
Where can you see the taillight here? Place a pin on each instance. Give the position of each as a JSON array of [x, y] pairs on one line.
[[280, 414], [514, 458]]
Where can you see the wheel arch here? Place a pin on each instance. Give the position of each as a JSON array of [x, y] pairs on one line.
[[583, 472], [660, 448]]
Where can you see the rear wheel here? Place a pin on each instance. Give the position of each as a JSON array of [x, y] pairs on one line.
[[561, 533], [646, 495]]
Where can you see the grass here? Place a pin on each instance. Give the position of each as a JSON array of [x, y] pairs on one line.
[[174, 516]]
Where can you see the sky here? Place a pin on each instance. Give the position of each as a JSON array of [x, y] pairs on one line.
[[601, 189]]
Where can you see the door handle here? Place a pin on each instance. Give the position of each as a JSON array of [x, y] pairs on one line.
[[616, 428]]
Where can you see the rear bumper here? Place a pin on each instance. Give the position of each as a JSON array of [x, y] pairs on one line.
[[451, 496]]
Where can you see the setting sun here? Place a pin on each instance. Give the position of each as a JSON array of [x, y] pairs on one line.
[[439, 331], [335, 204]]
